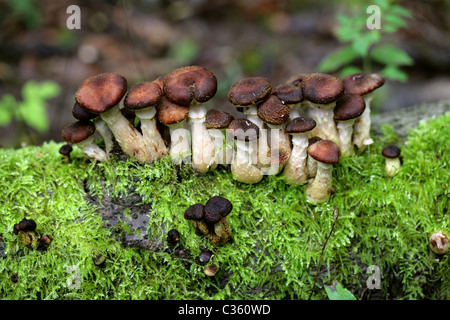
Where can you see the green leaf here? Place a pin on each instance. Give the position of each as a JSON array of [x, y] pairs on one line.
[[7, 105], [389, 54], [338, 59], [393, 73], [337, 292], [33, 112]]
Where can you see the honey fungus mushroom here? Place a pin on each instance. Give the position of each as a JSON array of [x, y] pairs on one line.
[[391, 154], [439, 242], [217, 209], [196, 214], [327, 153]]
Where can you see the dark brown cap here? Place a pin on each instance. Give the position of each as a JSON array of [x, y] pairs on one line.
[[361, 83], [322, 88], [142, 95], [78, 131], [391, 151], [349, 106], [184, 85], [249, 91], [216, 208], [297, 79], [195, 212], [82, 114], [160, 81], [313, 140], [243, 130], [325, 151], [218, 119], [170, 113], [273, 111], [289, 93], [101, 92], [300, 125]]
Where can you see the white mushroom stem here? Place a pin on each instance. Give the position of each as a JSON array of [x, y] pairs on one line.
[[319, 190], [106, 133], [243, 166], [155, 146], [295, 170], [180, 143], [223, 149], [323, 114], [92, 150], [392, 165], [311, 165], [345, 134], [203, 148], [361, 128], [263, 147], [279, 142], [126, 135]]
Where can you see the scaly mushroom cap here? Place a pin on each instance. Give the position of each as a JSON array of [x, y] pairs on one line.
[[82, 114], [361, 83], [195, 212], [101, 92], [249, 91], [216, 208], [218, 119], [243, 130], [391, 151], [169, 113], [78, 131], [349, 106], [184, 85], [143, 95], [325, 151], [300, 125], [321, 88], [273, 111], [288, 93]]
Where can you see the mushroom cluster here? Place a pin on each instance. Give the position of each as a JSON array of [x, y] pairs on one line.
[[276, 134], [211, 219]]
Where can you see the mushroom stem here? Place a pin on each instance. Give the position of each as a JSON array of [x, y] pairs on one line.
[[243, 166], [153, 140], [295, 171], [323, 114], [345, 132], [361, 128], [223, 150], [263, 146], [203, 148], [105, 132], [319, 190], [392, 165], [92, 150], [127, 136], [180, 143]]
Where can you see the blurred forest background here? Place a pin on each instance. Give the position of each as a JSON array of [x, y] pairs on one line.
[[42, 61]]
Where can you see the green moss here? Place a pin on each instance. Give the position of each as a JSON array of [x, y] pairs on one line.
[[278, 236]]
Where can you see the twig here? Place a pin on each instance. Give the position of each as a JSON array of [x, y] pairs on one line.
[[335, 215]]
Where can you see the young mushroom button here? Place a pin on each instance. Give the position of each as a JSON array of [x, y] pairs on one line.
[[196, 213], [292, 96], [217, 209], [101, 94], [81, 134], [392, 156], [326, 153]]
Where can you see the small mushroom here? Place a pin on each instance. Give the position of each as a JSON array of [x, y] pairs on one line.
[[245, 134], [439, 242], [311, 163], [204, 256], [327, 153], [392, 155], [348, 108], [66, 150], [363, 84], [101, 94], [196, 213], [217, 209], [296, 170], [81, 134], [322, 91], [291, 94], [142, 99], [173, 237], [192, 86], [25, 225], [216, 122], [211, 270]]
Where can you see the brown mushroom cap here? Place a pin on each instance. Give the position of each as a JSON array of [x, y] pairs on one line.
[[184, 85], [325, 151], [143, 95], [297, 79], [78, 131], [391, 151], [243, 130], [218, 119], [322, 88], [249, 91], [81, 113], [288, 93], [217, 207], [300, 125], [273, 111], [195, 212], [349, 106], [361, 83], [170, 113], [101, 92]]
